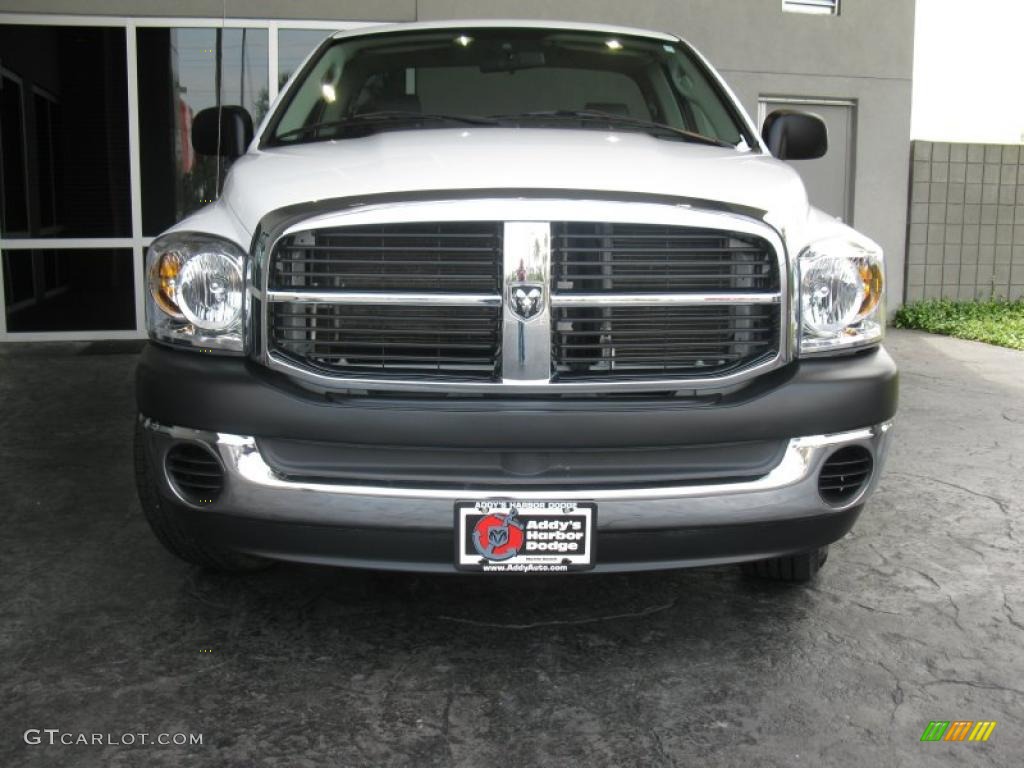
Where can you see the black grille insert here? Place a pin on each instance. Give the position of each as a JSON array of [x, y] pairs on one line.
[[196, 473], [513, 467], [844, 473], [689, 341], [423, 257], [592, 257], [376, 340]]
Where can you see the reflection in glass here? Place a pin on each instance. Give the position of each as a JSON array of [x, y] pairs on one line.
[[293, 46], [61, 177], [14, 212], [182, 71], [69, 290], [47, 127]]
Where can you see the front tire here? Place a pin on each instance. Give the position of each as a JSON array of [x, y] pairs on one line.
[[164, 517], [795, 569]]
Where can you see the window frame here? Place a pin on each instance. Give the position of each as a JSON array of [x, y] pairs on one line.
[[43, 94]]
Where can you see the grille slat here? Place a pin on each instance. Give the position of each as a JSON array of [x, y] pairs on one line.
[[185, 471], [658, 281], [400, 344], [673, 334], [643, 250], [395, 262]]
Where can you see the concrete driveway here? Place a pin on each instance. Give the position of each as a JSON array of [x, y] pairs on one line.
[[918, 616]]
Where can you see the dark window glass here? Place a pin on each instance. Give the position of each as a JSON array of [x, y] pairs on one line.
[[19, 281], [14, 218], [179, 71], [69, 290], [77, 181]]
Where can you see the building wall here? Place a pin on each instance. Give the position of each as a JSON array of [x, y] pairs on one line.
[[966, 222]]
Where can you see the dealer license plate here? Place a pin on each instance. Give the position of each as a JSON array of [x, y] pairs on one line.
[[509, 536]]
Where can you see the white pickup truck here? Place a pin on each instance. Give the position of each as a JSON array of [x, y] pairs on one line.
[[511, 297]]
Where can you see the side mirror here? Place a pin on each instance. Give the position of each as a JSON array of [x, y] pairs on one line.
[[792, 135], [227, 137]]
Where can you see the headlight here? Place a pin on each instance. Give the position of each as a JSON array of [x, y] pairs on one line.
[[195, 291], [210, 291], [841, 296]]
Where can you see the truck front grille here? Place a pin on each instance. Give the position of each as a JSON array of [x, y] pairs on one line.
[[567, 304]]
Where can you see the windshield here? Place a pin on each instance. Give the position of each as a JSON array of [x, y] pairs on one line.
[[505, 77]]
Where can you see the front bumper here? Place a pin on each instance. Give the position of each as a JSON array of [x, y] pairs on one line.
[[264, 514], [230, 405]]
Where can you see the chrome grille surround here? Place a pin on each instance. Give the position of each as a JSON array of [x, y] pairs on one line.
[[527, 342]]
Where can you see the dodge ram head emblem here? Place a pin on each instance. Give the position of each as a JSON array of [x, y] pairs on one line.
[[527, 299]]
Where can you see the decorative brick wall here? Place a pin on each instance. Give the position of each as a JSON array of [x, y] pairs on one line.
[[966, 231]]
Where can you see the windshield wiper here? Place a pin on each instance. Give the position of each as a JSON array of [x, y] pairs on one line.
[[391, 116], [611, 120]]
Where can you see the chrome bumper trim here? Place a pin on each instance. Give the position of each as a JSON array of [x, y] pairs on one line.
[[253, 489]]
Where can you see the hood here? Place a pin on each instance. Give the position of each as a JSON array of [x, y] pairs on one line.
[[514, 158]]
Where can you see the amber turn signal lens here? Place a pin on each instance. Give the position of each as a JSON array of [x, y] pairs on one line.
[[164, 282], [871, 276]]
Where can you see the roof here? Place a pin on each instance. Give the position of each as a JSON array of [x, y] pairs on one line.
[[505, 24]]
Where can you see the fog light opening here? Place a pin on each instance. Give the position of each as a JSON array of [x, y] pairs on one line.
[[195, 473], [844, 474]]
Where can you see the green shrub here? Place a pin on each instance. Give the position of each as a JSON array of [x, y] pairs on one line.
[[996, 322]]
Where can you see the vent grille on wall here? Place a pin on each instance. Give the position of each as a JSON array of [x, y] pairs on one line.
[[825, 7]]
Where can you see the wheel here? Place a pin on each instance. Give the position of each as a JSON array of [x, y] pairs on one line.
[[792, 568], [163, 517]]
